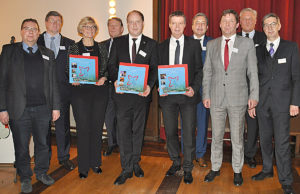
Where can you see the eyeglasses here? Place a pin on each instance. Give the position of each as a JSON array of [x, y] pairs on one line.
[[272, 25], [27, 29], [89, 27]]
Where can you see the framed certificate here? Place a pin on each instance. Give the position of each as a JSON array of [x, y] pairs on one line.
[[132, 78], [173, 79], [83, 69]]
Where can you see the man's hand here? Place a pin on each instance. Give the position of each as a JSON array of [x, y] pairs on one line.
[[101, 81], [116, 86], [146, 92], [55, 115], [206, 103], [252, 104], [294, 110], [189, 92], [252, 113], [4, 118]]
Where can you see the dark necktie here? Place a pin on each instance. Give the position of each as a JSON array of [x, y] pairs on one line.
[[30, 50], [52, 45], [271, 51], [133, 50], [226, 55], [247, 35], [177, 53]]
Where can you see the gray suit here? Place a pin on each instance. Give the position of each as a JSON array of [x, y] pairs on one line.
[[228, 93]]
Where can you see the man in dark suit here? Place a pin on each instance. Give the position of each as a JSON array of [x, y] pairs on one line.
[[199, 27], [29, 97], [59, 44], [188, 52], [131, 108], [115, 29], [279, 94], [248, 20]]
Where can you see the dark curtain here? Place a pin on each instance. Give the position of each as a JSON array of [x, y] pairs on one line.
[[285, 9]]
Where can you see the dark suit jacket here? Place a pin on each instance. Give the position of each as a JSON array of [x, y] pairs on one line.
[[258, 38], [120, 53], [192, 58], [279, 76], [61, 58], [12, 80], [203, 53]]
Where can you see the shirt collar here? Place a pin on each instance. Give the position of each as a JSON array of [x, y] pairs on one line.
[[196, 38], [251, 34], [138, 39], [48, 36], [34, 47], [232, 38], [181, 39], [275, 42]]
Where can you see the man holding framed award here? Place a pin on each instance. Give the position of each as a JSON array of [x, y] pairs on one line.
[[180, 49], [131, 108]]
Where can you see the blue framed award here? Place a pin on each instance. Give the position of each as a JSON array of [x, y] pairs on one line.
[[83, 69], [173, 79], [132, 78]]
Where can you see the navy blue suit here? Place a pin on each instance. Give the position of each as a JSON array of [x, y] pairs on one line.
[[202, 114]]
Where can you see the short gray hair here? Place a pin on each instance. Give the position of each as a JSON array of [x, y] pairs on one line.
[[200, 14], [250, 10], [269, 15]]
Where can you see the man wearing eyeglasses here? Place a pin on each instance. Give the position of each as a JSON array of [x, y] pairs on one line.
[[59, 44], [279, 78], [29, 100]]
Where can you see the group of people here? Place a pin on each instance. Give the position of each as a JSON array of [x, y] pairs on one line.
[[238, 74]]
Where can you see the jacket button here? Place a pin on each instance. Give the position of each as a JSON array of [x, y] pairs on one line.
[[226, 73], [223, 84]]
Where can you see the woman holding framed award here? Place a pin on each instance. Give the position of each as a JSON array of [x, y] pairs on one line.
[[87, 70]]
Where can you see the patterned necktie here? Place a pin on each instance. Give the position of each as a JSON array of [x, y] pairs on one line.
[[133, 51], [247, 35], [30, 50], [52, 45], [226, 55], [177, 53], [271, 51]]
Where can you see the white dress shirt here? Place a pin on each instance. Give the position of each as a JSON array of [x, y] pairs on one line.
[[276, 44], [137, 43], [172, 49], [230, 46]]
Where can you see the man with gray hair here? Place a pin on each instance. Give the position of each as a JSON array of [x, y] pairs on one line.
[[248, 21], [279, 77]]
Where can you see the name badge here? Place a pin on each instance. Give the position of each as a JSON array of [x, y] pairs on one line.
[[256, 45], [235, 50], [62, 48], [45, 57], [204, 48], [142, 53], [280, 61], [86, 54]]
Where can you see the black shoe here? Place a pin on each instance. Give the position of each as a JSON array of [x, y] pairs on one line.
[[138, 171], [97, 170], [172, 170], [250, 161], [238, 179], [67, 164], [288, 189], [122, 178], [83, 175], [188, 177], [211, 175], [109, 151], [261, 176]]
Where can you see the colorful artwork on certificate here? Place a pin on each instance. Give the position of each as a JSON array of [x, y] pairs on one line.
[[132, 78], [173, 79], [83, 69]]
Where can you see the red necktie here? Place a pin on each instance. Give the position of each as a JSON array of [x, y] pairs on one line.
[[226, 55]]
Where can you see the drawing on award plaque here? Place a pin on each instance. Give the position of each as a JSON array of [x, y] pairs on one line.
[[172, 79]]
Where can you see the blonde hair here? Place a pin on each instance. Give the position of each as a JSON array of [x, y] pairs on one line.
[[87, 20]]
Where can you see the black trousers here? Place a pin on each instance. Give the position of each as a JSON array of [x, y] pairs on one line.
[[275, 124], [252, 135], [187, 111], [110, 119], [131, 119], [89, 104], [35, 121]]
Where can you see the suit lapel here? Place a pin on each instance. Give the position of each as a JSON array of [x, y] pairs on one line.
[[219, 50], [185, 51], [20, 60], [142, 46], [126, 49], [46, 68], [235, 45]]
